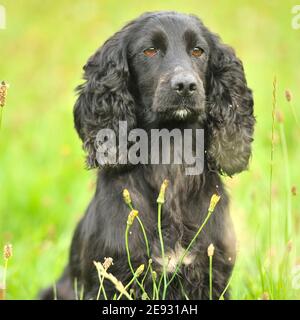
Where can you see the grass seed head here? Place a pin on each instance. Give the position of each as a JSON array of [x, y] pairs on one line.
[[132, 215], [265, 296], [288, 95], [140, 270], [126, 197], [161, 196], [3, 93], [213, 202], [210, 250], [7, 251], [103, 273], [107, 263]]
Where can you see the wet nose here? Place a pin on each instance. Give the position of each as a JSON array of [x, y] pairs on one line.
[[184, 84]]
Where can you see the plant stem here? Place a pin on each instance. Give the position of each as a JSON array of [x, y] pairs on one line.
[[146, 242], [145, 236], [128, 285], [159, 283], [54, 291], [226, 288], [294, 114], [101, 288], [274, 103], [3, 286], [182, 289], [189, 246], [272, 159], [287, 181], [162, 252], [118, 284], [129, 259], [76, 288], [210, 277], [155, 294], [81, 292], [1, 116], [5, 272], [146, 273]]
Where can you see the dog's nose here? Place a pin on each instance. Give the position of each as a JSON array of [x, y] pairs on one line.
[[184, 84]]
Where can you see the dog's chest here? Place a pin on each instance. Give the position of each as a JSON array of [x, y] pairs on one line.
[[178, 221], [183, 190], [173, 257]]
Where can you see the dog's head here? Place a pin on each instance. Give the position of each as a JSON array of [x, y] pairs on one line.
[[168, 58], [161, 68]]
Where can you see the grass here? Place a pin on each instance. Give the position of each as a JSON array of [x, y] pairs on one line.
[[158, 293], [44, 188], [210, 253], [7, 254]]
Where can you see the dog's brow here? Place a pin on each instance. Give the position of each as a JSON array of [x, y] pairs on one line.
[[190, 37], [159, 39]]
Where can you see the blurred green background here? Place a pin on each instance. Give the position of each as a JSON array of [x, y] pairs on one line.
[[44, 188]]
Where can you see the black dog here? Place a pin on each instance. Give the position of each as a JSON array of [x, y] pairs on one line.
[[162, 70]]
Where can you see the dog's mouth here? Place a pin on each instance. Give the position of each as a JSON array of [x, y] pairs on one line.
[[170, 107], [181, 113]]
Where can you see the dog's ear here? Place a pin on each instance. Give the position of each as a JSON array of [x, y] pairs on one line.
[[104, 98], [229, 110]]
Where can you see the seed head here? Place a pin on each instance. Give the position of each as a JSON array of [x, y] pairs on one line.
[[213, 202], [294, 190], [7, 251], [140, 270], [126, 197], [3, 93], [107, 263], [132, 215], [265, 296], [161, 196], [288, 95], [210, 250]]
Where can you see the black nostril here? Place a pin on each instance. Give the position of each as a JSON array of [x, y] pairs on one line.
[[184, 84], [179, 87], [192, 87]]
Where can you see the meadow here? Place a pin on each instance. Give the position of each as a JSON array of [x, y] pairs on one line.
[[44, 187]]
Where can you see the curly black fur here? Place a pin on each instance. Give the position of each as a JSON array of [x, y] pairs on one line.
[[122, 84]]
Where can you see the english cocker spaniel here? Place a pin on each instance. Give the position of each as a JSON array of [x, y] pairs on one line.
[[163, 70]]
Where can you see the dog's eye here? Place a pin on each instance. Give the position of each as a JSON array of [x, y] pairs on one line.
[[150, 52], [197, 52]]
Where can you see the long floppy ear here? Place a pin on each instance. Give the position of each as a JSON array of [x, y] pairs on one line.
[[104, 99], [229, 110]]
